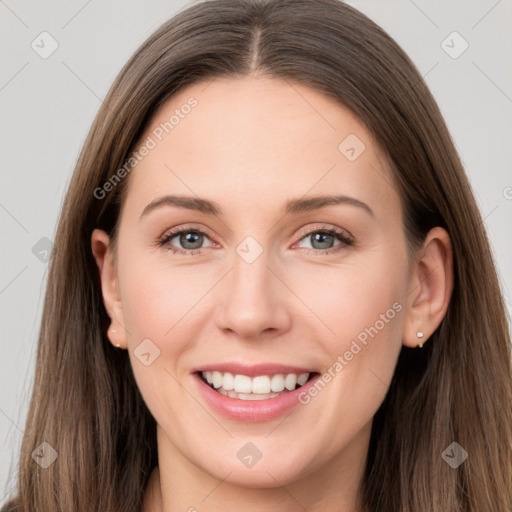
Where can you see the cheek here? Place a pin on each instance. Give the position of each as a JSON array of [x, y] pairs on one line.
[[365, 311], [351, 297], [155, 298], [361, 303], [160, 312], [369, 337]]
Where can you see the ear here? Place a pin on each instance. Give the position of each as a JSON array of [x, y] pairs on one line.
[[430, 287], [102, 251]]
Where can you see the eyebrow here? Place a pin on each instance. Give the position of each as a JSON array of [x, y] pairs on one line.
[[292, 206]]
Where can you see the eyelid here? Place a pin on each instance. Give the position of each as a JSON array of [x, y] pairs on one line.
[[319, 227], [186, 227]]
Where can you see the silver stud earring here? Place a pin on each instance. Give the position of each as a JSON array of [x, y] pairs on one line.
[[419, 334]]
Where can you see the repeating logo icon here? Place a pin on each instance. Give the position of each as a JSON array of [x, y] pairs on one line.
[[249, 455], [351, 147], [42, 249], [454, 455], [45, 455], [44, 45], [146, 352], [454, 45], [249, 249]]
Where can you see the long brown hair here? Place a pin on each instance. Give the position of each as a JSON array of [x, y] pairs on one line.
[[458, 388]]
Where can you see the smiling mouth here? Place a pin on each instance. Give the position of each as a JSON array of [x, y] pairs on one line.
[[262, 387]]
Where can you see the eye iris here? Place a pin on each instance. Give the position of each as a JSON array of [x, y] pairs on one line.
[[324, 244], [191, 237]]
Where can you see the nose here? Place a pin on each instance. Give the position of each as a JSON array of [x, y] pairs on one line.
[[253, 302]]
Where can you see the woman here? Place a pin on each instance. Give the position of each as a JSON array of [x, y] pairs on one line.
[[271, 287]]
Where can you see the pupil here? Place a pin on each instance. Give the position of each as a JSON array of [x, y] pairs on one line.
[[322, 241], [191, 237]]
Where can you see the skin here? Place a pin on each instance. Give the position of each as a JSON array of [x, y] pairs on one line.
[[250, 145]]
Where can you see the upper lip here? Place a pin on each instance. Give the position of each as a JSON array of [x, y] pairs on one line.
[[252, 370]]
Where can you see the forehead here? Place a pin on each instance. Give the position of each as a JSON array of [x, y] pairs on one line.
[[256, 139]]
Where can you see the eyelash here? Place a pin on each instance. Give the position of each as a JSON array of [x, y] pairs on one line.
[[340, 235]]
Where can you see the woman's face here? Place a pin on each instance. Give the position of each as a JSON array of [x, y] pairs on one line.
[[260, 281]]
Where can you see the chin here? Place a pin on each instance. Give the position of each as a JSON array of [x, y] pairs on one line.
[[270, 473]]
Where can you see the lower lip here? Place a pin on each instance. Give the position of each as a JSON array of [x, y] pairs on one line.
[[251, 410]]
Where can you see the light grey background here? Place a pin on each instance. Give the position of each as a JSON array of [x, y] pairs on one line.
[[47, 106]]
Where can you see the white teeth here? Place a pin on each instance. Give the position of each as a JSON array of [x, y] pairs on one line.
[[254, 396], [229, 381], [217, 379], [261, 385], [277, 383], [247, 396], [302, 379], [290, 382], [242, 384], [256, 388]]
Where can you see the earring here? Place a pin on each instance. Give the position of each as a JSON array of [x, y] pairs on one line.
[[419, 334], [113, 331]]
